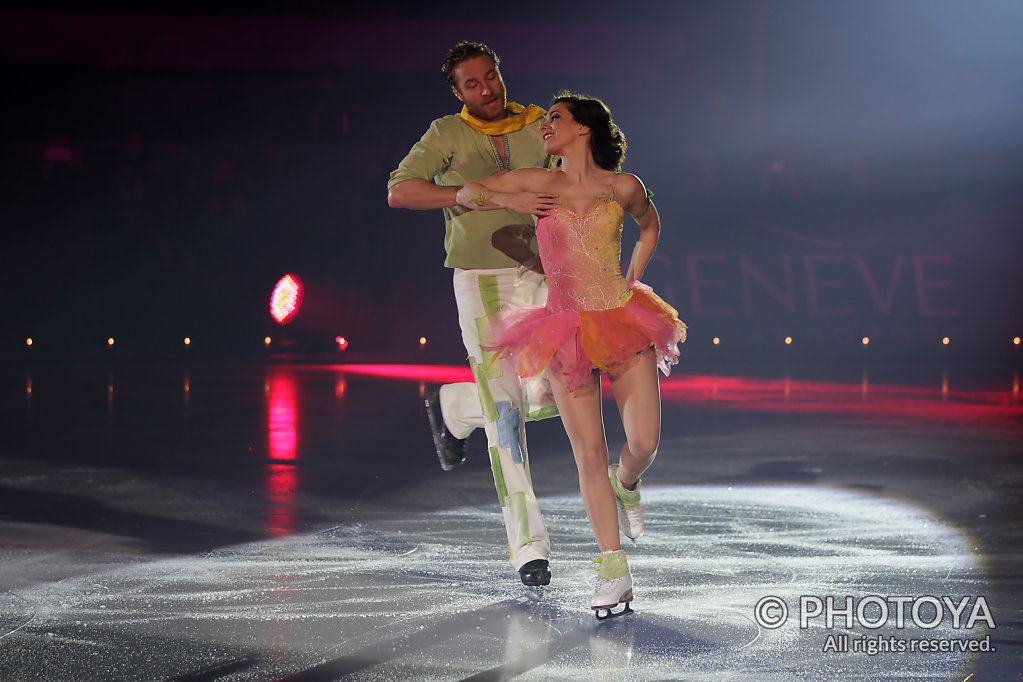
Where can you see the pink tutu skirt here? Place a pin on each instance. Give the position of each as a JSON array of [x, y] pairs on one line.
[[573, 343]]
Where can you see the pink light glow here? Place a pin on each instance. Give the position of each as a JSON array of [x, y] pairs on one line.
[[860, 399], [281, 487], [282, 473], [863, 399], [437, 373], [282, 417], [286, 299]]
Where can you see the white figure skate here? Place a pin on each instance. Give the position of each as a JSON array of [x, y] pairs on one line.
[[613, 587]]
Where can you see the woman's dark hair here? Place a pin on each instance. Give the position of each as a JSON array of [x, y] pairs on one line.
[[607, 141], [463, 51]]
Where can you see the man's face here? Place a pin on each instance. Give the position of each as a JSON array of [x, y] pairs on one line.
[[479, 85]]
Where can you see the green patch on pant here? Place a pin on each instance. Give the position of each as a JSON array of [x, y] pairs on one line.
[[495, 466], [520, 513], [488, 363], [489, 294], [483, 386], [491, 299], [544, 412]]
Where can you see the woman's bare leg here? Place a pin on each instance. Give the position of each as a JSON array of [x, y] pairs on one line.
[[581, 415], [638, 395]]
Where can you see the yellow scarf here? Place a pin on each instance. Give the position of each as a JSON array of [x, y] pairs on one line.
[[518, 118]]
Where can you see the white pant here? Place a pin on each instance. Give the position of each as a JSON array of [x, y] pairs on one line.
[[496, 400]]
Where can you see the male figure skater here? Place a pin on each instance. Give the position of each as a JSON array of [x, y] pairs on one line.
[[493, 255]]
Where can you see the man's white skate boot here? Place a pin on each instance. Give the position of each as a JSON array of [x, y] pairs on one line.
[[630, 513], [613, 587]]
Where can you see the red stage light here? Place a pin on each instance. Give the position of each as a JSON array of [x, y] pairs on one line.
[[854, 399], [342, 342], [286, 299]]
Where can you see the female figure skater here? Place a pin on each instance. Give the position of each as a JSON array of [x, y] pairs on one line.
[[595, 317]]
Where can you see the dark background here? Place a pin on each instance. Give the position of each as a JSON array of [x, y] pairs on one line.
[[823, 171]]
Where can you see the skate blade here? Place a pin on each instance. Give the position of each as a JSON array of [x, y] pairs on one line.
[[534, 593], [605, 612]]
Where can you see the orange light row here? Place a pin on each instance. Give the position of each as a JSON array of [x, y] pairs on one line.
[[342, 342], [110, 341], [945, 341]]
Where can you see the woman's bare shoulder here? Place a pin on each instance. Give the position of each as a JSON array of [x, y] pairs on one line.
[[627, 184]]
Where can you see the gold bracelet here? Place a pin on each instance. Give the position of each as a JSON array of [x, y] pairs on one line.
[[480, 199]]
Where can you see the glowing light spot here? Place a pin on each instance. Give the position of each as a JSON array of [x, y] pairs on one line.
[[945, 341], [188, 341], [717, 341], [342, 342], [266, 341], [29, 341], [110, 341], [788, 340], [422, 341], [866, 340], [286, 299], [1015, 341]]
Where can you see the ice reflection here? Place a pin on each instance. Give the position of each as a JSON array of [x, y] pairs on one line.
[[282, 417], [28, 397], [281, 487], [282, 432], [110, 398], [862, 399]]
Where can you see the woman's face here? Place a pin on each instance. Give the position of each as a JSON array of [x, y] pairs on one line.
[[559, 128]]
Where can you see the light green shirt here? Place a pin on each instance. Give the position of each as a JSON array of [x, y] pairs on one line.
[[453, 154]]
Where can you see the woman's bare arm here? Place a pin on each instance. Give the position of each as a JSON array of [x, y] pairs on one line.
[[519, 190]]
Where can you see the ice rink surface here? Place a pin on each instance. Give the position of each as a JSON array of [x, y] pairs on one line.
[[164, 522]]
